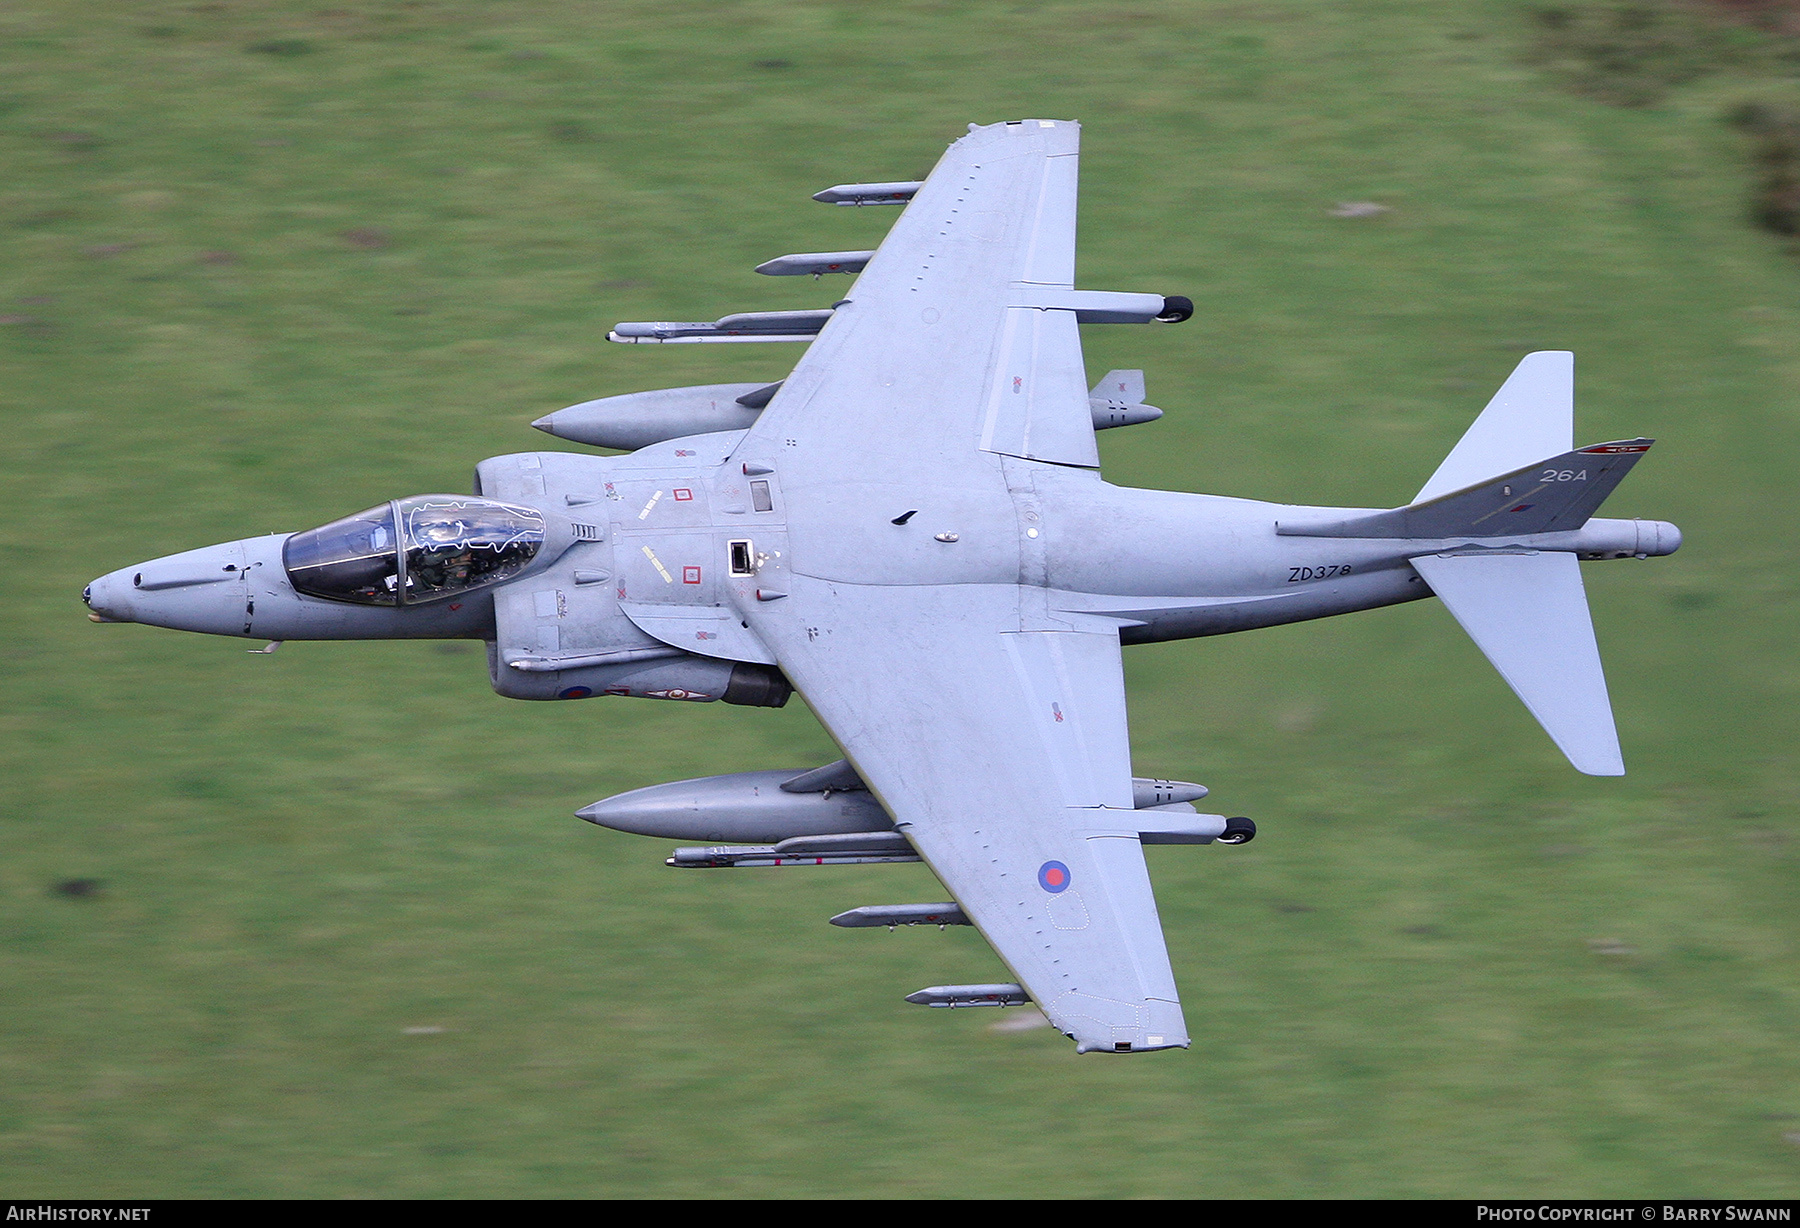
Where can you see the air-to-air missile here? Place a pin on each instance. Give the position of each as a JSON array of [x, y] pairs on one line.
[[868, 193]]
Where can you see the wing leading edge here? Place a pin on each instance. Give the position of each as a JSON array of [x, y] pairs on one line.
[[960, 335]]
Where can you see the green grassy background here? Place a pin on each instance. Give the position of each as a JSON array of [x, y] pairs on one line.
[[265, 263]]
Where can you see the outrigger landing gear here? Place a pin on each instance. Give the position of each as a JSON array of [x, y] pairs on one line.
[[1238, 831]]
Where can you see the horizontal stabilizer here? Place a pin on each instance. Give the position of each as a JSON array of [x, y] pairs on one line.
[[1528, 613], [1548, 496]]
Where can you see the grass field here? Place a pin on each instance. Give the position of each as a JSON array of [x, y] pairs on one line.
[[263, 264]]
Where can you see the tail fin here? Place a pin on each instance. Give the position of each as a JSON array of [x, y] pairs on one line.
[[1531, 417], [1528, 613], [1525, 609]]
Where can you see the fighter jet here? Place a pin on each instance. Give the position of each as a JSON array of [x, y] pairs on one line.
[[912, 531]]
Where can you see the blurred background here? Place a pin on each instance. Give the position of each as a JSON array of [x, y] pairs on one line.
[[321, 923]]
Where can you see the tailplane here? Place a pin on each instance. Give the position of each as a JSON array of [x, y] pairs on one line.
[[1546, 496], [1527, 611]]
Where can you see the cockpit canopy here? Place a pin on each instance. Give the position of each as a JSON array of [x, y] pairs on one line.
[[414, 550]]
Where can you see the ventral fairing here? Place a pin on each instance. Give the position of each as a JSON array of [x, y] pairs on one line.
[[911, 529]]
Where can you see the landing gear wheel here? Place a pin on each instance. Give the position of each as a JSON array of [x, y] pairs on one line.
[[1238, 831], [1176, 308]]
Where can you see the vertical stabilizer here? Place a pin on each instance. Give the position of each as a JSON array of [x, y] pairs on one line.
[[1531, 417], [1528, 613]]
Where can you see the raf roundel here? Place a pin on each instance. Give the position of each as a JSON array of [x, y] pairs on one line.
[[1053, 876]]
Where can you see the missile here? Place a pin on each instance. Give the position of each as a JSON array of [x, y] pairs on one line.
[[890, 915], [970, 995], [742, 326], [844, 849], [816, 263], [868, 193]]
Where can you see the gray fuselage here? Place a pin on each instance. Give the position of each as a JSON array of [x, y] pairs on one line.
[[628, 591]]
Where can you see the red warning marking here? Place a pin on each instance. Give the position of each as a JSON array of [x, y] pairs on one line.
[[1523, 507], [683, 494], [1607, 449], [1056, 710], [690, 575]]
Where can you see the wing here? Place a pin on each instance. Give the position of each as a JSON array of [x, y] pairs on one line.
[[1003, 755], [947, 341], [905, 598]]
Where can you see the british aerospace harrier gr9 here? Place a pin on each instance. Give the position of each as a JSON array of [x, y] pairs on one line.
[[912, 531]]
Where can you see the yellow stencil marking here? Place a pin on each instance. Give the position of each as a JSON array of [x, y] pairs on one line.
[[645, 514], [657, 563]]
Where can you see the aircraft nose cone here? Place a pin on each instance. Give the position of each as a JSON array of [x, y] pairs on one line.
[[600, 812], [199, 590], [108, 598]]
